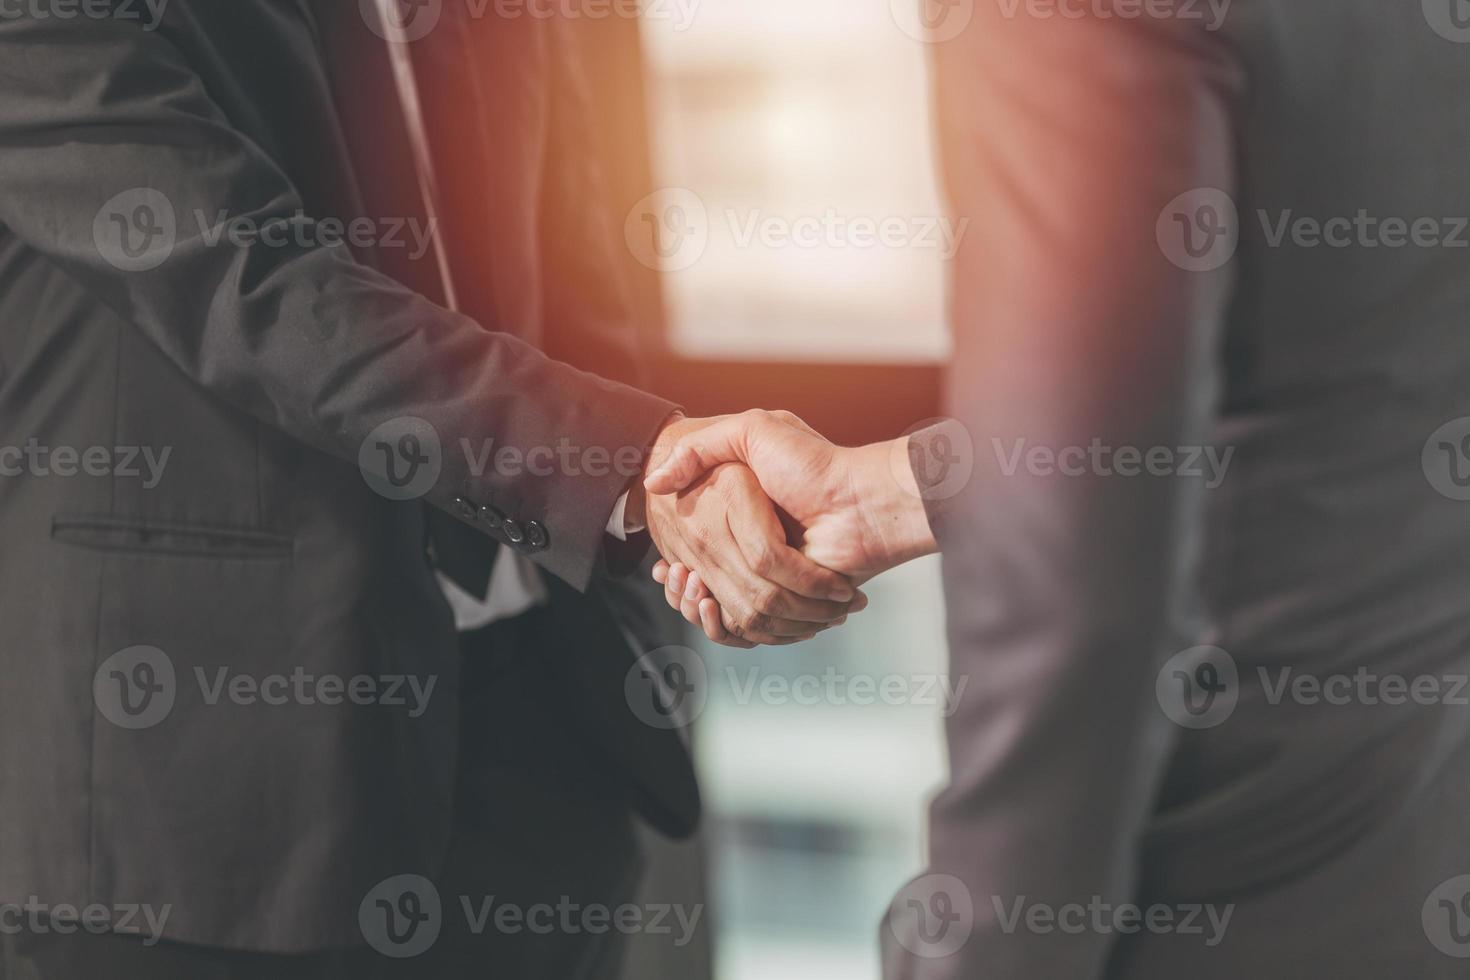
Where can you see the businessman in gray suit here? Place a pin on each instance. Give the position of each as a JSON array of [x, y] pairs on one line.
[[1203, 500]]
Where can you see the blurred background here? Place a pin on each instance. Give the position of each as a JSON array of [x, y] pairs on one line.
[[781, 115], [774, 134]]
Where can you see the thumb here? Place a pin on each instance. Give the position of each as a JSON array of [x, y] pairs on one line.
[[696, 454]]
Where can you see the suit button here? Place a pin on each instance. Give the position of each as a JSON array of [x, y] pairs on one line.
[[492, 517], [514, 532], [536, 536], [464, 508]]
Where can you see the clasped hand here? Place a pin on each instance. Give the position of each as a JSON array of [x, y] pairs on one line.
[[766, 529]]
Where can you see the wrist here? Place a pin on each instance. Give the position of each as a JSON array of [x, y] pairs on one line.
[[887, 495], [675, 427]]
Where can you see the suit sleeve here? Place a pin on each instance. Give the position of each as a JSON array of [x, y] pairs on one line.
[[1081, 330], [106, 130], [587, 286]]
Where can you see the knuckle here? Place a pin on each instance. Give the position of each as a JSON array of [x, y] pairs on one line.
[[768, 600], [763, 559], [759, 624]]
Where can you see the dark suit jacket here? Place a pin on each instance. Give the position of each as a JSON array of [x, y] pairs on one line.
[[263, 368], [1084, 149]]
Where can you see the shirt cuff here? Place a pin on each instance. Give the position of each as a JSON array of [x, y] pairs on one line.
[[618, 525]]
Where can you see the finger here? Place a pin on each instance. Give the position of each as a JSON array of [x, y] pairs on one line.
[[714, 626], [690, 612], [674, 585], [746, 601], [661, 571], [678, 576], [761, 612], [698, 453], [689, 599], [694, 588], [709, 618], [813, 593], [762, 638]]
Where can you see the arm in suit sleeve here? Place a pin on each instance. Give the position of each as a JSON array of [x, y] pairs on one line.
[[304, 338], [1064, 140]]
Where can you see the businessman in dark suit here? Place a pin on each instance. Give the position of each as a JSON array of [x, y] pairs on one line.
[[1216, 724], [345, 662]]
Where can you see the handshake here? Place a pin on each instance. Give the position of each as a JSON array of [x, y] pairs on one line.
[[767, 529]]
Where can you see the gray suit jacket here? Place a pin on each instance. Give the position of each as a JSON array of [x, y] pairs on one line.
[[1126, 284], [285, 536]]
